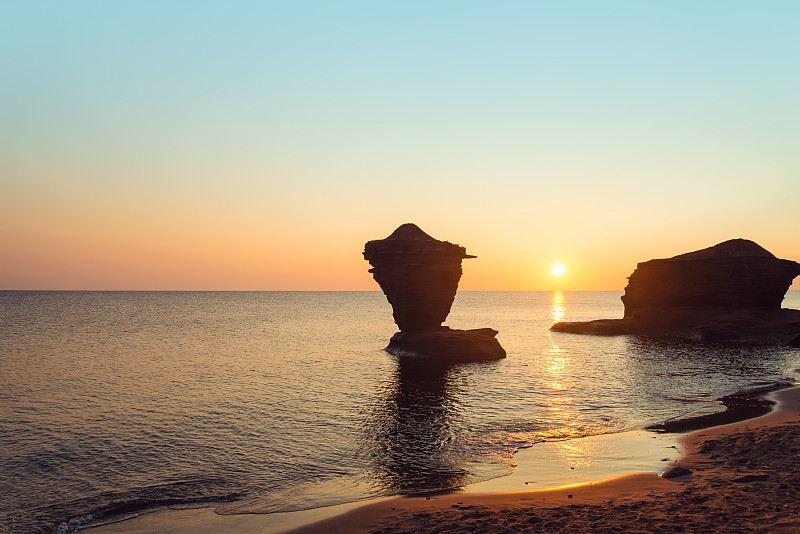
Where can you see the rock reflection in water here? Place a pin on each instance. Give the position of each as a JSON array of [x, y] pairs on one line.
[[415, 440]]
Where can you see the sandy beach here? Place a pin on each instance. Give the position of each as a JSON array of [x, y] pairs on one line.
[[740, 477]]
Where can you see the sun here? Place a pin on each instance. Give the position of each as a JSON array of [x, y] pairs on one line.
[[558, 269]]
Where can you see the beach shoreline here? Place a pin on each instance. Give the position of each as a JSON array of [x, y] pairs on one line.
[[622, 502], [739, 477]]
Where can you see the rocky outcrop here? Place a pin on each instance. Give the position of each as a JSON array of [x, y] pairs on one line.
[[729, 292], [419, 276], [735, 274]]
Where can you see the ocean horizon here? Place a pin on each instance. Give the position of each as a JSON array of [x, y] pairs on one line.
[[115, 402]]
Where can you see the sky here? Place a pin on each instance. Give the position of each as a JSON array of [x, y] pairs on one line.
[[196, 145]]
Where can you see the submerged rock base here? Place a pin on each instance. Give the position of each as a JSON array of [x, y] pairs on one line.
[[446, 343], [706, 325]]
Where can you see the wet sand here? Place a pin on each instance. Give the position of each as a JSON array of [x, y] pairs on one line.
[[743, 477]]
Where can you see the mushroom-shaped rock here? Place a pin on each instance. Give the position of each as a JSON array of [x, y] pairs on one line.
[[729, 292], [419, 276]]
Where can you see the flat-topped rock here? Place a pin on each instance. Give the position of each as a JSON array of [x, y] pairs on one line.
[[735, 274], [729, 292]]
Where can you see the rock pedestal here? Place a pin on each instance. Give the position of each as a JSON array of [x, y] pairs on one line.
[[419, 276], [729, 292], [447, 343]]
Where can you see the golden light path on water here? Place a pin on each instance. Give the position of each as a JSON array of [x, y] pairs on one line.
[[557, 371], [559, 378], [570, 451]]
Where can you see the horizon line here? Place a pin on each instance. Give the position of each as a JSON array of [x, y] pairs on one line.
[[306, 290]]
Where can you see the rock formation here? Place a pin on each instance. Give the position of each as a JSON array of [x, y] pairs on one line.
[[734, 274], [419, 276], [729, 292]]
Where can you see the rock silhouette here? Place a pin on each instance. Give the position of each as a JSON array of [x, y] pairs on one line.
[[419, 276], [735, 274], [729, 292]]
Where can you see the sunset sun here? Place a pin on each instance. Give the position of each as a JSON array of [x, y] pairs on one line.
[[558, 269]]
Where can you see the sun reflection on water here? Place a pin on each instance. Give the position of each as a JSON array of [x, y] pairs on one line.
[[557, 372], [559, 377], [558, 307], [577, 452]]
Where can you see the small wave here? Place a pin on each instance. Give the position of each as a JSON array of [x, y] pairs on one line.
[[682, 399], [115, 507], [74, 524], [512, 437], [88, 521], [762, 386]]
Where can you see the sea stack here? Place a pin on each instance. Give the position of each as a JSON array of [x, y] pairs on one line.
[[419, 276], [729, 292]]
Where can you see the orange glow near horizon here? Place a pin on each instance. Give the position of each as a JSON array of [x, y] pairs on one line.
[[53, 248]]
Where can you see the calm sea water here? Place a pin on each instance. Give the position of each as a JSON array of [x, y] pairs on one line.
[[113, 402]]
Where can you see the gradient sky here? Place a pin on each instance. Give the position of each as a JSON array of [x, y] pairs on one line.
[[258, 145]]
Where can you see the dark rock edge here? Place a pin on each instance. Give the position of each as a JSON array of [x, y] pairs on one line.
[[445, 343]]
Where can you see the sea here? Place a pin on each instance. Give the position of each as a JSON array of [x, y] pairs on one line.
[[113, 403]]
